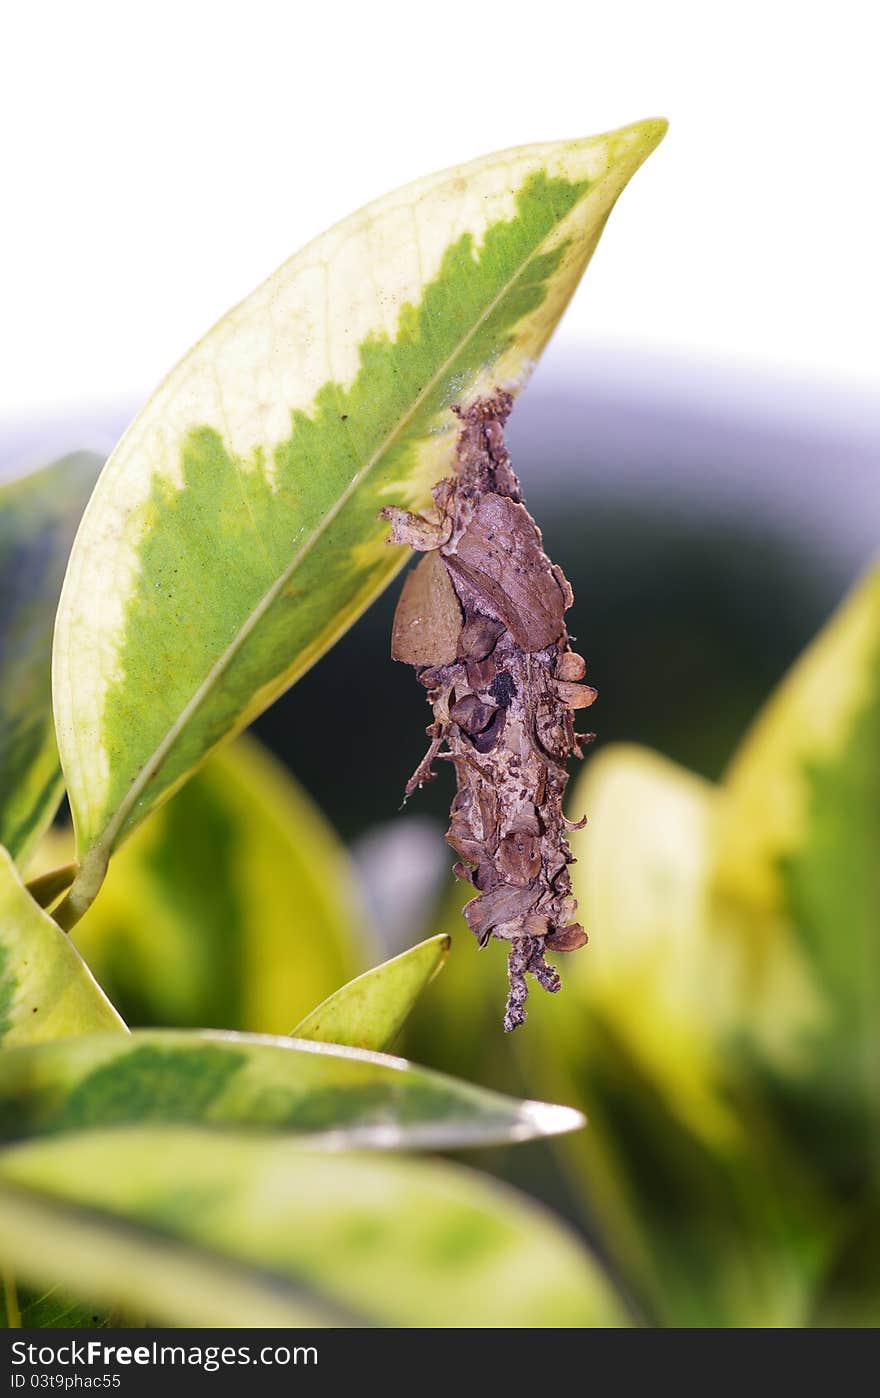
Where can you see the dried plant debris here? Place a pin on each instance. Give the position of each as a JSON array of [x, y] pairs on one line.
[[482, 619]]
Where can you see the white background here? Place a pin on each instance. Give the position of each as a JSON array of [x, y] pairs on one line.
[[161, 159]]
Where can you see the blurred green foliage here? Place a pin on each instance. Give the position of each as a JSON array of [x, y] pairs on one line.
[[39, 514], [721, 1030], [234, 907]]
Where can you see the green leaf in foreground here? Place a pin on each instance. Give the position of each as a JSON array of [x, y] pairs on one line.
[[338, 1096], [195, 1229], [234, 906], [233, 535], [48, 1307], [38, 519], [370, 1012], [46, 989]]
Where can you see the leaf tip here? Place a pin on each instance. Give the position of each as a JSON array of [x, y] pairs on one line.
[[549, 1119], [640, 138]]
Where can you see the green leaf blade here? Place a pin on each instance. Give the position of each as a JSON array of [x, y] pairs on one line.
[[370, 1011], [38, 519], [226, 1230], [46, 989], [238, 516], [335, 1096]]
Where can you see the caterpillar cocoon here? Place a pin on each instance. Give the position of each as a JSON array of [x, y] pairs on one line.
[[482, 620]]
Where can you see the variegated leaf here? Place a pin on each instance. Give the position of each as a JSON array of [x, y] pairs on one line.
[[233, 534], [217, 1228], [340, 1097], [370, 1011], [46, 989]]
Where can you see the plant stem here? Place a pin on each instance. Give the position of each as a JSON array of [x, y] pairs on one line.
[[83, 891], [47, 888]]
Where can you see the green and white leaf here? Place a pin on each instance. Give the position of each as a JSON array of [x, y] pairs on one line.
[[233, 535], [38, 519], [234, 906], [192, 1228], [370, 1011], [340, 1097], [46, 989]]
